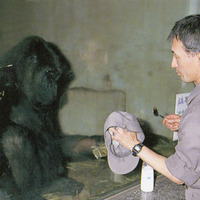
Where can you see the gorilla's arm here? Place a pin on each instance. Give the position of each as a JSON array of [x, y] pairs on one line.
[[22, 159], [78, 147]]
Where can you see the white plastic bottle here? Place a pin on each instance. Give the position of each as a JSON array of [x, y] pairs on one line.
[[147, 178]]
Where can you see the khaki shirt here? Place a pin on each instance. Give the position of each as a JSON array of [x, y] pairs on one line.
[[184, 164]]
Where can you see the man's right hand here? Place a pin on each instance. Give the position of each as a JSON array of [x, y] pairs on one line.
[[172, 121]]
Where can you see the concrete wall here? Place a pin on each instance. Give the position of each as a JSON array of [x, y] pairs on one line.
[[112, 44]]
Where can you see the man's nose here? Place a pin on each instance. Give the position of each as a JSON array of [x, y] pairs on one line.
[[174, 63]]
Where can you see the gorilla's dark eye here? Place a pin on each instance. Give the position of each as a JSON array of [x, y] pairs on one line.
[[49, 73], [52, 74]]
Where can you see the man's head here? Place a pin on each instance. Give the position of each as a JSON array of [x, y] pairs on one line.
[[188, 31], [185, 37]]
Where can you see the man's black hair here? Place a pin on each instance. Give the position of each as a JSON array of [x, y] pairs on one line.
[[188, 31]]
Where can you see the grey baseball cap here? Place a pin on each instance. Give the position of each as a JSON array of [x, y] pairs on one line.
[[120, 159]]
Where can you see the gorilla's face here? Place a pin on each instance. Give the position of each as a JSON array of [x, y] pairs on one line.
[[41, 85], [43, 72]]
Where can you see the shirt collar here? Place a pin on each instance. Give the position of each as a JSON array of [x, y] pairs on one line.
[[193, 94]]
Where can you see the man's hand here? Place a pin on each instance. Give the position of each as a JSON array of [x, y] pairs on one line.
[[172, 122], [125, 138]]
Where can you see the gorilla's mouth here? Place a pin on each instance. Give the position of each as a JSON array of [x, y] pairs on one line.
[[46, 96], [70, 76]]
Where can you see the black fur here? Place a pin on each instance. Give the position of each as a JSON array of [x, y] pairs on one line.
[[33, 76]]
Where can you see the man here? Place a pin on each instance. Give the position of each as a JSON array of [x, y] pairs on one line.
[[184, 165]]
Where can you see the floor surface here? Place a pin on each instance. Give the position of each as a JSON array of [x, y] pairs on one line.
[[164, 190]]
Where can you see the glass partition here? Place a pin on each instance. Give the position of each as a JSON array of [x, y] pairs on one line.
[[99, 181]]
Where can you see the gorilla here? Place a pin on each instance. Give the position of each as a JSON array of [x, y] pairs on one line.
[[33, 151]]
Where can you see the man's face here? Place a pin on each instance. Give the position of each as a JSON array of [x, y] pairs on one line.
[[187, 65]]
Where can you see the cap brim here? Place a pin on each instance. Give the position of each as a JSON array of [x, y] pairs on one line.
[[127, 163], [121, 165]]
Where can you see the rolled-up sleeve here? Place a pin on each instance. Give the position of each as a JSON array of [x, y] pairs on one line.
[[184, 164], [179, 169]]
